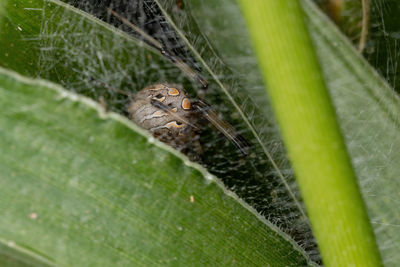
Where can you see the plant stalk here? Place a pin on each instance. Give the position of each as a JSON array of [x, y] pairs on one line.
[[311, 132]]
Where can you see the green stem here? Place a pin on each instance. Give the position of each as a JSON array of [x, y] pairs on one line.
[[311, 133]]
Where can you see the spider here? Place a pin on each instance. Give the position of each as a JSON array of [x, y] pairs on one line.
[[171, 116]]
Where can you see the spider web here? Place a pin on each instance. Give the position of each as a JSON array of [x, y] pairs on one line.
[[382, 49], [101, 64], [381, 45]]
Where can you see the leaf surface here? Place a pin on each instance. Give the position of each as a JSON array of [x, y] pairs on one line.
[[106, 196], [81, 187], [90, 57]]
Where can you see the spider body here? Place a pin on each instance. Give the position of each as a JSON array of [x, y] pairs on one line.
[[171, 116], [166, 111]]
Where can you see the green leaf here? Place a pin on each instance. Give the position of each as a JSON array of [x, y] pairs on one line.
[[83, 54], [52, 40], [70, 49], [81, 187], [367, 107]]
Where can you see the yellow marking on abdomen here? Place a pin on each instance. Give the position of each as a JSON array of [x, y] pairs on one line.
[[173, 92], [186, 103], [157, 87], [159, 99], [174, 124], [157, 114]]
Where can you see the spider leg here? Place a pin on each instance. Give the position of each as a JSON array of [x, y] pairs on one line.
[[150, 40], [225, 128]]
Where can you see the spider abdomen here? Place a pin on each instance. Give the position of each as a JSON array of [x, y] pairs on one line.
[[166, 112]]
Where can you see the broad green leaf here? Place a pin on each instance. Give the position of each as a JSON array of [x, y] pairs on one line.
[[367, 107], [81, 187], [50, 40], [83, 54]]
